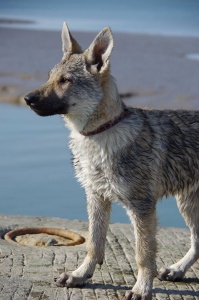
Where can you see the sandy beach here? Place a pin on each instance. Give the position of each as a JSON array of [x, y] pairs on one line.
[[151, 71]]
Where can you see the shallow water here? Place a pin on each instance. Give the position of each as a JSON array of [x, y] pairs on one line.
[[170, 17], [36, 174]]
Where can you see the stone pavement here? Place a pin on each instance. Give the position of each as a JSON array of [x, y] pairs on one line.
[[26, 273]]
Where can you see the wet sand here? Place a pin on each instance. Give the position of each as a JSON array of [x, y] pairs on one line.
[[151, 71]]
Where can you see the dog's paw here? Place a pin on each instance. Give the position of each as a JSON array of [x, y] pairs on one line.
[[170, 274], [61, 279], [65, 280], [134, 296]]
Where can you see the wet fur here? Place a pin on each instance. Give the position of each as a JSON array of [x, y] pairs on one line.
[[136, 162]]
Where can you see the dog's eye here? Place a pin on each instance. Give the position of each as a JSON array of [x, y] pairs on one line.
[[64, 80]]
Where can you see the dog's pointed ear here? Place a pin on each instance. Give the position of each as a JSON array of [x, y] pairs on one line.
[[69, 44], [97, 55]]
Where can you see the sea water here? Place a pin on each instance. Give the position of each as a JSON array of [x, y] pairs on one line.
[[36, 173], [166, 17]]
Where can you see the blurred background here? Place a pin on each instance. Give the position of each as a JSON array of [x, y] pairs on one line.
[[156, 65], [173, 17]]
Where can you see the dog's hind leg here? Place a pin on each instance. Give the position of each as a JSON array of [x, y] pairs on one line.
[[189, 208], [145, 236], [99, 215]]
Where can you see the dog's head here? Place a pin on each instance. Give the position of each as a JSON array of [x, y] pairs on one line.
[[75, 85]]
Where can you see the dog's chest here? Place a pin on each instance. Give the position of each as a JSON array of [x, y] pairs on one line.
[[94, 165]]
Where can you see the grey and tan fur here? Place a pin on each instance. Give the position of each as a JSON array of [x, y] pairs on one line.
[[145, 156]]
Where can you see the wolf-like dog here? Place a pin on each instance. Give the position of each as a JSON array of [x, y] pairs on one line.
[[130, 155]]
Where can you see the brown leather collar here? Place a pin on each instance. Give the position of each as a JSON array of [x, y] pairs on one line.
[[109, 124]]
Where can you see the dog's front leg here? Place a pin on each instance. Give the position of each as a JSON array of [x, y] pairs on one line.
[[145, 231], [99, 214]]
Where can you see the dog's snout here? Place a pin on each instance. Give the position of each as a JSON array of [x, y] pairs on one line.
[[31, 99]]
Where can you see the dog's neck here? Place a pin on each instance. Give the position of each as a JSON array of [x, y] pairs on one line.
[[108, 109], [108, 124]]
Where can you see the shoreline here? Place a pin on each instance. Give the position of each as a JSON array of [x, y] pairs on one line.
[[157, 70], [15, 21], [22, 23]]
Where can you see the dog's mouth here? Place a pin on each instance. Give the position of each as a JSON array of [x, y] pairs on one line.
[[39, 112], [45, 106], [48, 111], [48, 108]]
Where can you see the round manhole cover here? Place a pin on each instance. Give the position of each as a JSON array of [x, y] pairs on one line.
[[43, 237]]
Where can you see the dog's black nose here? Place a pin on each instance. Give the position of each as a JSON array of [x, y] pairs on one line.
[[31, 99]]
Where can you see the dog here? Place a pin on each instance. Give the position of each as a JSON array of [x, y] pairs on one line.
[[131, 155]]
